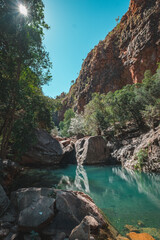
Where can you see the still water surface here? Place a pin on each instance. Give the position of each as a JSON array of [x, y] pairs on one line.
[[125, 197]]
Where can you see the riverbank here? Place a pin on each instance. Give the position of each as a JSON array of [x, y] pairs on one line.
[[126, 197], [50, 214], [47, 213]]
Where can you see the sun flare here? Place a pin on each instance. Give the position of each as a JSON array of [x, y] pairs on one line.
[[23, 10]]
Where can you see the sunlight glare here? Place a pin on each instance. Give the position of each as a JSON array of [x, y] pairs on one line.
[[23, 9]]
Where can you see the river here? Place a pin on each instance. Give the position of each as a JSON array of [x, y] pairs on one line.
[[125, 197]]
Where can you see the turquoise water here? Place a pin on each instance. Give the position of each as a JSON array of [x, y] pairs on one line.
[[126, 197]]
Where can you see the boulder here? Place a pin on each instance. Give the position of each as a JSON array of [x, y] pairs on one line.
[[77, 205], [131, 228], [35, 207], [4, 201], [55, 213], [92, 222], [69, 154], [46, 152], [37, 215], [81, 232], [139, 236], [24, 197], [91, 150], [72, 208]]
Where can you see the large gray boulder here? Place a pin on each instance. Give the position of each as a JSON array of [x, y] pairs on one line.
[[72, 208], [4, 201], [46, 152], [92, 150], [24, 197], [75, 206], [37, 215], [35, 207]]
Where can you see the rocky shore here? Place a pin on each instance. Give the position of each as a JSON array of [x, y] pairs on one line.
[[133, 149], [137, 151], [47, 213], [51, 214]]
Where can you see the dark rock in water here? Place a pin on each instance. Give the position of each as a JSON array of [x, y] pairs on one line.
[[139, 236], [47, 151], [92, 150], [4, 201]]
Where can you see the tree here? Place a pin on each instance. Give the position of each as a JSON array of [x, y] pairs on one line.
[[23, 60], [95, 115], [77, 125], [64, 125]]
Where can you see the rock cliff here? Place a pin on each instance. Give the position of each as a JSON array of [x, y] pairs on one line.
[[131, 48]]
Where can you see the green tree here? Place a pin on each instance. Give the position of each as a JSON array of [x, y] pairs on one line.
[[23, 60], [95, 115], [64, 125]]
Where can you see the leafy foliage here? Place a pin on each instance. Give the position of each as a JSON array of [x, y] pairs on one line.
[[25, 67], [137, 103], [141, 156], [77, 125], [64, 125]]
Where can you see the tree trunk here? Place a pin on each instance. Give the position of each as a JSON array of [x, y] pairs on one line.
[[6, 132]]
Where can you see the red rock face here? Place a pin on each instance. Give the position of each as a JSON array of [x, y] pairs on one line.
[[122, 57]]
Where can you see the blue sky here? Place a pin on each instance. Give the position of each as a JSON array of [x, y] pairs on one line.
[[76, 27]]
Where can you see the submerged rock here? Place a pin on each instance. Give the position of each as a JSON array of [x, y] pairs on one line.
[[139, 236], [91, 150]]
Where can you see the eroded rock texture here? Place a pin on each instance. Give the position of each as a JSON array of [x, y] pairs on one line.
[[131, 48]]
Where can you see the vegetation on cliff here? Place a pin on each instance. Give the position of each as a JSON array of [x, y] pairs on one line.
[[137, 103]]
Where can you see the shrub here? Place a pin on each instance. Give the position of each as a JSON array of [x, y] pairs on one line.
[[141, 157]]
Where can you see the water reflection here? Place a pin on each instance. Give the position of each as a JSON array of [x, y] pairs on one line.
[[81, 179], [146, 183], [80, 183]]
